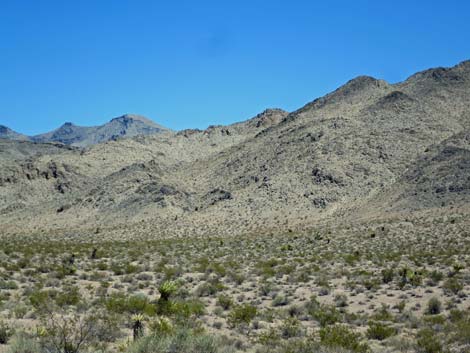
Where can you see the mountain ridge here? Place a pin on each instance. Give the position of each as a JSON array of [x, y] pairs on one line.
[[127, 125], [363, 148]]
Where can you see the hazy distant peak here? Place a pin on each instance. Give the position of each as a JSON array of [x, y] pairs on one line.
[[7, 133], [127, 125]]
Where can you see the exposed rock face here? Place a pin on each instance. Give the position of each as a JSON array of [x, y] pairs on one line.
[[368, 149]]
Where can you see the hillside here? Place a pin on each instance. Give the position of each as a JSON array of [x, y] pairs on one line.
[[369, 146]]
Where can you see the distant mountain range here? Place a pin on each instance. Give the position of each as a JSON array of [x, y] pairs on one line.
[[128, 125]]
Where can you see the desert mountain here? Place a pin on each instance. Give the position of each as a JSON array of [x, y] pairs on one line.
[[368, 149], [128, 125], [9, 134]]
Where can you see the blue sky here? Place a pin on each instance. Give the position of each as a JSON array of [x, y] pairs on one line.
[[195, 63]]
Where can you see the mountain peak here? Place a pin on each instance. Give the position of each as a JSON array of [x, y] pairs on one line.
[[67, 124], [127, 125], [444, 75], [7, 133], [135, 118], [131, 117], [363, 82]]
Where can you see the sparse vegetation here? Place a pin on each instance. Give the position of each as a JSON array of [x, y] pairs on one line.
[[173, 298]]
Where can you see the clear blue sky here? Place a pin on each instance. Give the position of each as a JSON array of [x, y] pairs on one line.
[[194, 63]]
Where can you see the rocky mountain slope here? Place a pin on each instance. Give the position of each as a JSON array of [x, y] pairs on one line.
[[128, 125], [368, 149]]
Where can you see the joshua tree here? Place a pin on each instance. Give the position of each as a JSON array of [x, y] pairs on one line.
[[137, 326]]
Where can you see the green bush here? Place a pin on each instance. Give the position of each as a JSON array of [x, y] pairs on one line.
[[280, 300], [435, 277], [341, 336], [380, 331], [241, 314], [387, 275], [65, 270], [136, 304], [8, 285], [434, 306], [324, 314], [224, 301], [209, 288], [383, 313], [69, 296], [452, 285], [161, 326], [5, 333], [181, 341], [291, 328], [428, 342]]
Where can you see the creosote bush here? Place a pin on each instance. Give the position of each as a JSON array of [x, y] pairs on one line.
[[241, 314], [341, 336], [434, 306], [380, 331]]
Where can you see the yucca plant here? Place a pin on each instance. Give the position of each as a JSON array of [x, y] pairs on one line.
[[167, 289], [138, 325]]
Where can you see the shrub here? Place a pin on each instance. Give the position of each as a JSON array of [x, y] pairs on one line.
[[340, 336], [5, 333], [23, 344], [435, 277], [69, 296], [383, 314], [452, 285], [136, 304], [341, 300], [387, 275], [380, 331], [224, 301], [71, 333], [326, 315], [6, 285], [209, 288], [427, 342], [65, 270], [280, 300], [291, 328], [42, 299], [241, 314], [161, 326], [434, 306], [181, 341], [266, 288]]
